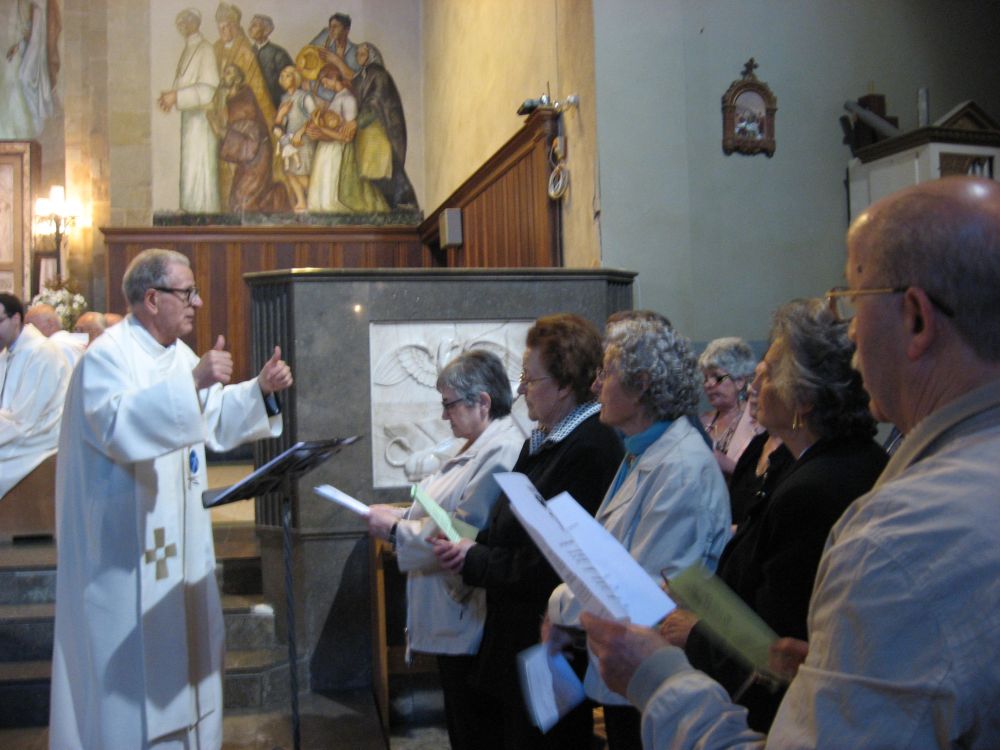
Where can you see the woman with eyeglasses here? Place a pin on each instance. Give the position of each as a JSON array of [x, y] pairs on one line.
[[811, 398], [569, 451], [727, 366], [668, 504], [443, 615]]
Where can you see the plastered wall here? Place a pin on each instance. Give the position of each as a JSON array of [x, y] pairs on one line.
[[482, 58], [720, 241]]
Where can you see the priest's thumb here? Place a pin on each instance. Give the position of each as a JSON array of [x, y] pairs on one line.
[[276, 357], [220, 343]]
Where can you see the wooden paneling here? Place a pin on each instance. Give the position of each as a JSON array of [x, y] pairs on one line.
[[221, 255], [508, 219]]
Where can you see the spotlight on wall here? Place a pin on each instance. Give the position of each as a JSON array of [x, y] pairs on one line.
[[530, 105]]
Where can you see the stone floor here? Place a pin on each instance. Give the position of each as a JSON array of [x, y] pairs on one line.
[[342, 721]]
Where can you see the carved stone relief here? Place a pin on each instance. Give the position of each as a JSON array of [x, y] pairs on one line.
[[409, 437]]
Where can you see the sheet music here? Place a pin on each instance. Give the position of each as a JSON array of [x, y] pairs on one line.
[[604, 577]]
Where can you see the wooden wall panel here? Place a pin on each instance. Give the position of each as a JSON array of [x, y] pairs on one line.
[[221, 256]]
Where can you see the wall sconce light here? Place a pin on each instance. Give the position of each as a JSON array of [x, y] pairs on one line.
[[55, 215]]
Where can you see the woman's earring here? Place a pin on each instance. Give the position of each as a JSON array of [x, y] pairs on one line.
[[796, 422]]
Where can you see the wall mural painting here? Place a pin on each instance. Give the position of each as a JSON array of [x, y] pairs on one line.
[[29, 65], [409, 437], [265, 132]]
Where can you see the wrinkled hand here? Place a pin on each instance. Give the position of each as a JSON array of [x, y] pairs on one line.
[[676, 627], [275, 375], [381, 518], [215, 366], [786, 655], [451, 555], [167, 100], [620, 647]]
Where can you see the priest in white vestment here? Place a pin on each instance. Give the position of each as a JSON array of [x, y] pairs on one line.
[[195, 82], [45, 318], [33, 380], [139, 636]]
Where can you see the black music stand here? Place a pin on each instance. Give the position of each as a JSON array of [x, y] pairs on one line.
[[274, 476]]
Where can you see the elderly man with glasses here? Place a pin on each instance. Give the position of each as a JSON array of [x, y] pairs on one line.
[[139, 635], [904, 620]]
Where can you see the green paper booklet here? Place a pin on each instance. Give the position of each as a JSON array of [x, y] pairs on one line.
[[452, 528], [728, 617]]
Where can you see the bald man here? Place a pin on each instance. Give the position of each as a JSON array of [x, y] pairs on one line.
[[91, 323], [45, 318], [904, 620]]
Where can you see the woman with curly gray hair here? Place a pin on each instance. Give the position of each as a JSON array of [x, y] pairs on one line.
[[668, 504], [727, 368], [809, 396]]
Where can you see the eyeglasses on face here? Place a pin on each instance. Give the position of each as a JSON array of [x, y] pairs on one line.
[[713, 380], [184, 295], [525, 380], [446, 405], [843, 301]]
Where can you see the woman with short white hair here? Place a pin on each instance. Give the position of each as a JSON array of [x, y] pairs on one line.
[[668, 503]]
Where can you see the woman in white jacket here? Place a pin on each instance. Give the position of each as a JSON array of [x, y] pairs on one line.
[[443, 615], [668, 504]]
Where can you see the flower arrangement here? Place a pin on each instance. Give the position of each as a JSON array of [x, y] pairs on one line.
[[62, 294]]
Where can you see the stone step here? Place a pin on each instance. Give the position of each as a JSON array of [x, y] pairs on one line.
[[26, 630], [255, 680], [28, 570]]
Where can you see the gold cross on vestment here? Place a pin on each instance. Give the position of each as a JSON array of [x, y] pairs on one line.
[[160, 552]]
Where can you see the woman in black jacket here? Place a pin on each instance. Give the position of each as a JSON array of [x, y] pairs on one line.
[[570, 451], [810, 397]]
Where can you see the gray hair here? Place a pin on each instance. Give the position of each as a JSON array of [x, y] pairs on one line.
[[623, 316], [264, 21], [147, 270], [648, 353], [730, 354], [815, 369], [479, 371], [944, 237], [374, 56]]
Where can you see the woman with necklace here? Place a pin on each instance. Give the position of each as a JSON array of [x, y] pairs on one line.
[[727, 365], [814, 401]]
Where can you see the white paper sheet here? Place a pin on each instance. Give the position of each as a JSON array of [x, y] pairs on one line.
[[549, 685], [604, 577], [329, 492]]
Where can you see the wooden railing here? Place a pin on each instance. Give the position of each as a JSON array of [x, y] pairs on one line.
[[508, 219]]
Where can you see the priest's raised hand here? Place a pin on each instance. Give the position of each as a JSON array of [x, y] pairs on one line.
[[215, 366], [275, 375]]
